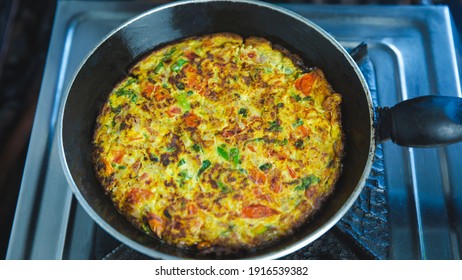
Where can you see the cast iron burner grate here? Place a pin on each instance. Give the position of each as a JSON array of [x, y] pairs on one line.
[[361, 234]]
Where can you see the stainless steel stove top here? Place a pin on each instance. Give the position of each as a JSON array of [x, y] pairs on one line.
[[412, 52]]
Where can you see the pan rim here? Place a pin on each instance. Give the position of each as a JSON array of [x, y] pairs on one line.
[[271, 255]]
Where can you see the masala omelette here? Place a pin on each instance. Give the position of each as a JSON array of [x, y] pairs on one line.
[[216, 143]]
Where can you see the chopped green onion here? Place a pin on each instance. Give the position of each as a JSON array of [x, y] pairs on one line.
[[299, 143], [234, 154], [265, 167], [178, 65], [296, 97], [182, 100], [205, 164], [159, 67], [274, 126], [243, 112], [297, 123], [307, 182], [223, 187], [169, 54], [196, 147]]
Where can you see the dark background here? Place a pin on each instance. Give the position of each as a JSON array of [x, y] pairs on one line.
[[25, 28]]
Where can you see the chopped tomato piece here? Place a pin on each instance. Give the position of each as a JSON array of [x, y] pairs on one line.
[[135, 195], [192, 120], [255, 211], [306, 82], [148, 89], [257, 176], [159, 96], [173, 111]]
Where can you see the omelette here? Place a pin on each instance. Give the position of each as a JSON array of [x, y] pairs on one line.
[[219, 144]]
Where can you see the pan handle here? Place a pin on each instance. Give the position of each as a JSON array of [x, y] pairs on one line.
[[426, 121]]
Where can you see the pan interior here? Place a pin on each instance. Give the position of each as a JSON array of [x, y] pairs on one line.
[[112, 59]]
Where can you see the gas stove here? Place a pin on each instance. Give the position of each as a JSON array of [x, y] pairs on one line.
[[410, 208]]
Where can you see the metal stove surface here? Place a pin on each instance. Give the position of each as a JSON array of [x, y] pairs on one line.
[[412, 52]]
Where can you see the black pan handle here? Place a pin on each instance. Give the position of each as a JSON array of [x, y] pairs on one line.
[[425, 121]]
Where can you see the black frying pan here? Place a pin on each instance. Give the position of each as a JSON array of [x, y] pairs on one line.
[[419, 122]]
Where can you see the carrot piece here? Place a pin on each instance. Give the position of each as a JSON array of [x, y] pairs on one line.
[[108, 166], [156, 223], [255, 211], [252, 148], [306, 82], [304, 131], [173, 111], [292, 172], [192, 209], [118, 156], [258, 177]]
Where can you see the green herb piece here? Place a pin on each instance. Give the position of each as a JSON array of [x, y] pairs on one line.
[[153, 157], [265, 167], [287, 70], [117, 109], [128, 93], [242, 170], [222, 152], [178, 65], [183, 102], [307, 182], [129, 82], [297, 123], [122, 167], [170, 149], [262, 229], [296, 97], [243, 112], [260, 139], [159, 67], [282, 142], [196, 147], [299, 143], [205, 164], [275, 126], [306, 98], [181, 162], [180, 86], [223, 187], [280, 105], [169, 54], [190, 92], [234, 155], [184, 176]]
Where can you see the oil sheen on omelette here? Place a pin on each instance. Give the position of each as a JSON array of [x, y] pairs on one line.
[[216, 143]]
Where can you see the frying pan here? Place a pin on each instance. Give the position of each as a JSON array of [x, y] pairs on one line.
[[421, 122]]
